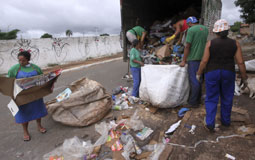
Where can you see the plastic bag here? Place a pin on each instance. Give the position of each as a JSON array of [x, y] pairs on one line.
[[103, 129], [250, 65], [128, 148], [157, 150], [164, 86], [72, 148], [135, 123], [75, 149]]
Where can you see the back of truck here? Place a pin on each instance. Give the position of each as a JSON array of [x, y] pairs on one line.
[[145, 12]]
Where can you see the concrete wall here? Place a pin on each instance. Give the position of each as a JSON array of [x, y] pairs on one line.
[[58, 51]]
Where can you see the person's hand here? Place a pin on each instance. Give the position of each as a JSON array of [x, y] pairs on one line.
[[243, 84], [170, 38], [182, 64], [198, 77], [142, 64]]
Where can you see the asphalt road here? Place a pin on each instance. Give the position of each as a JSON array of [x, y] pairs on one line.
[[12, 146]]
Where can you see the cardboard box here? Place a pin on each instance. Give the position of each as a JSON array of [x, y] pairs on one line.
[[27, 90]]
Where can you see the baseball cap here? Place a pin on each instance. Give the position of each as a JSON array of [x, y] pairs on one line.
[[192, 20]]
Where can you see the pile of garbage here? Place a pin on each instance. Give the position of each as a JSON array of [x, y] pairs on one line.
[[122, 99], [122, 136], [157, 51]]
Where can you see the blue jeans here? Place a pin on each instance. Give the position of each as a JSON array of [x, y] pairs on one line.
[[195, 86], [219, 83], [136, 73]]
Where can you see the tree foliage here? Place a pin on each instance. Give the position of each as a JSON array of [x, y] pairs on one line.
[[46, 35], [236, 27], [104, 34], [247, 10], [69, 33], [9, 35]]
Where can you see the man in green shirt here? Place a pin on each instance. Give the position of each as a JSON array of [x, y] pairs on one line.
[[135, 67], [193, 53], [137, 32]]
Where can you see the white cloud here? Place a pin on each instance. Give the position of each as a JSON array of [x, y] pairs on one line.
[[230, 12], [83, 17], [56, 16]]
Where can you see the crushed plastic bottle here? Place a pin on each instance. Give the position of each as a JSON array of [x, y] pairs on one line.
[[126, 138]]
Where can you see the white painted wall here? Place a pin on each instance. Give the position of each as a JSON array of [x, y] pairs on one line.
[[58, 51]]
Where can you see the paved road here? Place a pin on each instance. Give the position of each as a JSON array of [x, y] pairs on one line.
[[12, 146]]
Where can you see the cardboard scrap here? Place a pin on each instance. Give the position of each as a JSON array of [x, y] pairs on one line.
[[163, 52], [144, 155], [117, 155], [29, 89], [96, 150], [243, 130], [239, 110]]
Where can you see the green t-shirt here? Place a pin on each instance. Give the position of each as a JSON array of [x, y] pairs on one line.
[[135, 55], [14, 70], [139, 31], [197, 37]]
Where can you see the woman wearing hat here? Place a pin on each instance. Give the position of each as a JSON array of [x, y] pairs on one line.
[[218, 63], [34, 110]]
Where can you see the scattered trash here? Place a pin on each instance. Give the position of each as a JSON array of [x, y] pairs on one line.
[[163, 52], [128, 139], [192, 130], [173, 127], [246, 130], [64, 95], [75, 149], [157, 150], [128, 148], [56, 158], [127, 77], [135, 123], [144, 133], [230, 157], [117, 90], [117, 146], [182, 111]]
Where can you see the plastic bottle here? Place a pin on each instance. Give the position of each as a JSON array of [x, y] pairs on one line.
[[128, 137]]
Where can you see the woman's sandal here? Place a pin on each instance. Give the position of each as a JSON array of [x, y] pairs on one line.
[[26, 138], [42, 130]]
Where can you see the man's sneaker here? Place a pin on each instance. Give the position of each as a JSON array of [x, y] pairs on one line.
[[211, 129]]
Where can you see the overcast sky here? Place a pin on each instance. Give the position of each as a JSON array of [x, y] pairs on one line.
[[83, 17], [230, 12]]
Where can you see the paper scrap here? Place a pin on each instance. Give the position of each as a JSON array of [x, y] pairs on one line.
[[13, 107], [173, 127]]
